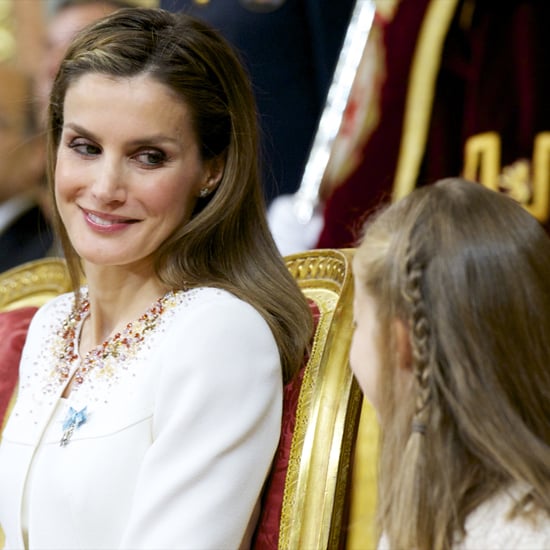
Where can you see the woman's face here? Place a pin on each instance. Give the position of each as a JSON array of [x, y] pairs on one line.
[[365, 359], [128, 169]]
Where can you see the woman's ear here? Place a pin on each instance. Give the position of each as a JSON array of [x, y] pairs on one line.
[[403, 342], [214, 173], [216, 167]]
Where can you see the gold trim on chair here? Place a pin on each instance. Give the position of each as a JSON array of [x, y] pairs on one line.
[[33, 283], [318, 475]]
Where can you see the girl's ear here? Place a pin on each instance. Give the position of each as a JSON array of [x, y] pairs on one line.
[[403, 341]]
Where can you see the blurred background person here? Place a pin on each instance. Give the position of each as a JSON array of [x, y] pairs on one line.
[[25, 234], [290, 48], [67, 17]]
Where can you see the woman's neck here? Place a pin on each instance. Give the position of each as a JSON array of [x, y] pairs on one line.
[[117, 297]]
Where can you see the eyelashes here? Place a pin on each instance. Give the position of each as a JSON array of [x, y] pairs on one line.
[[145, 156], [151, 157]]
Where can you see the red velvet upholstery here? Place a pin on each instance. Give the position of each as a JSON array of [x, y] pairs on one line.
[[267, 530], [13, 331]]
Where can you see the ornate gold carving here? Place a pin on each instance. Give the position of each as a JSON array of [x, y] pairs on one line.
[[317, 266], [539, 206], [528, 183], [33, 283], [482, 159], [515, 181]]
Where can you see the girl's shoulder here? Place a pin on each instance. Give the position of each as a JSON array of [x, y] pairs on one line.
[[491, 526]]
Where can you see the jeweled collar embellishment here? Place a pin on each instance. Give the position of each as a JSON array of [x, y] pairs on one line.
[[112, 352], [73, 421]]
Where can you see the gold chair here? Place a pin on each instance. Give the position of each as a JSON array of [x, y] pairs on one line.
[[318, 476], [33, 283], [317, 481]]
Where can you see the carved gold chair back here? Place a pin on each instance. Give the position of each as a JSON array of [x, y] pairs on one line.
[[33, 283], [319, 477]]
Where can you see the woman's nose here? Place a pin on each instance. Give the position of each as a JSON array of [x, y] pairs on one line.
[[108, 185]]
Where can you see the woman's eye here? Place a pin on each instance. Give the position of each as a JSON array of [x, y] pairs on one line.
[[151, 158], [85, 148]]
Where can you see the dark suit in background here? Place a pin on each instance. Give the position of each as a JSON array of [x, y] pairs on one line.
[[28, 237], [24, 233], [290, 53]]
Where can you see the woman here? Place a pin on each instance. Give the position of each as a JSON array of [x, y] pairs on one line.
[[150, 400], [452, 314]]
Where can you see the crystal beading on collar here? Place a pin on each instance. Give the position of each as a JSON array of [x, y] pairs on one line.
[[117, 348]]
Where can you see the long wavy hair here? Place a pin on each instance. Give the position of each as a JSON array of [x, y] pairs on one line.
[[467, 271], [226, 243]]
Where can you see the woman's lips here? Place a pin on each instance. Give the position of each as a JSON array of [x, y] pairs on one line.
[[107, 222]]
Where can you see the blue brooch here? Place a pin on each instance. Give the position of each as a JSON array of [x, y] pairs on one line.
[[73, 420]]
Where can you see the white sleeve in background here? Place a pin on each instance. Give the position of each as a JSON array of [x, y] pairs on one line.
[[289, 233]]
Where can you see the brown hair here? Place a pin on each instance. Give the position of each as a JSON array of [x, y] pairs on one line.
[[467, 270], [227, 243], [115, 4]]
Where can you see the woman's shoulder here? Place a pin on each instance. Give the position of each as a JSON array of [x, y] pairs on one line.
[[222, 333], [55, 310], [215, 303], [490, 526], [218, 315]]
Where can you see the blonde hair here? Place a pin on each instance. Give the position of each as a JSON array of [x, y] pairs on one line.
[[467, 271], [227, 243]]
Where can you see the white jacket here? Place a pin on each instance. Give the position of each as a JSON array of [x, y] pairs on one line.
[[177, 443]]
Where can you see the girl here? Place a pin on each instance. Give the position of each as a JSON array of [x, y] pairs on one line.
[[452, 312]]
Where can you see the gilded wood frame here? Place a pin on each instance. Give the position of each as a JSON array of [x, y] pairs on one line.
[[321, 454]]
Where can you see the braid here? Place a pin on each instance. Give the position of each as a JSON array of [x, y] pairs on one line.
[[409, 511], [420, 340]]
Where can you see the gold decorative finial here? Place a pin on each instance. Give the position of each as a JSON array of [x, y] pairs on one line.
[[528, 183]]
